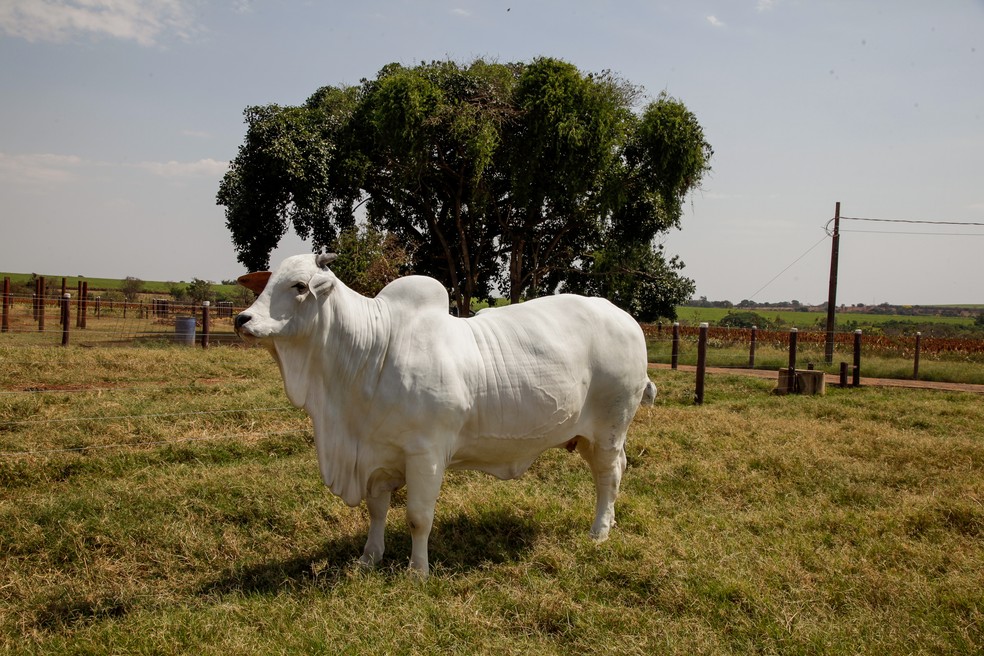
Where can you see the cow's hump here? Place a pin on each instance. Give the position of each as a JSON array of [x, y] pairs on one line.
[[416, 292]]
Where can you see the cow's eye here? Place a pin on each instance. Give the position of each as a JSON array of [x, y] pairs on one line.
[[300, 287]]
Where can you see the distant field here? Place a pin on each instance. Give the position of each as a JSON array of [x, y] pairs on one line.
[[792, 318], [72, 282]]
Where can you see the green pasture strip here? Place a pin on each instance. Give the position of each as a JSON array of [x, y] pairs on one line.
[[845, 524], [72, 282], [795, 319]]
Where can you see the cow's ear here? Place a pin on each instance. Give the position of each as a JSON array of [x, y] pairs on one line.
[[321, 284], [255, 282]]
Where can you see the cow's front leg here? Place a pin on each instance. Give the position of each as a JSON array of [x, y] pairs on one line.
[[378, 505], [424, 478]]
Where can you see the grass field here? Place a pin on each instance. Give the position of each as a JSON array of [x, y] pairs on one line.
[[169, 503], [695, 315]]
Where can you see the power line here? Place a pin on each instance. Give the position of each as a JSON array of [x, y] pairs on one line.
[[921, 221], [808, 251], [903, 232]]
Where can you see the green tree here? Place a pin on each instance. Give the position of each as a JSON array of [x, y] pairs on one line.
[[564, 140], [368, 259], [131, 287], [743, 319], [289, 172], [428, 137], [663, 158], [200, 290], [636, 277], [509, 175], [178, 291]]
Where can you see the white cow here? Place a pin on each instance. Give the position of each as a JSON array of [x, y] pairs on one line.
[[399, 391]]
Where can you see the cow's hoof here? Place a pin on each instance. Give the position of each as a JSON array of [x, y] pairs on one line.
[[599, 536], [366, 562], [418, 573]]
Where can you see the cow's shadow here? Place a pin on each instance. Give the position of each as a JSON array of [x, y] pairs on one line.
[[457, 544]]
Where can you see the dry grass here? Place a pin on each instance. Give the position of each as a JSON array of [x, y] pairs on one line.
[[851, 523]]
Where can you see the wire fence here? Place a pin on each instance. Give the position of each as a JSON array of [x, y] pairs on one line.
[[906, 357], [93, 321]]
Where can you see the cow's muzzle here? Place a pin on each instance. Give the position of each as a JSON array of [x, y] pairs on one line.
[[241, 320]]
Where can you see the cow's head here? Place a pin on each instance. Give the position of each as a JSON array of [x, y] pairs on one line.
[[288, 299]]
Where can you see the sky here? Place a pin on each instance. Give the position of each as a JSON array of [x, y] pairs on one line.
[[118, 119]]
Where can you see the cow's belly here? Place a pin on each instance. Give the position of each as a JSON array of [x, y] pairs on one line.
[[508, 457]]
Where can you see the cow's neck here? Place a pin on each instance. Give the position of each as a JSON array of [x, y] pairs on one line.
[[356, 334], [341, 383]]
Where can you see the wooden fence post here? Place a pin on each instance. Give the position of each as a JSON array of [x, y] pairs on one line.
[[66, 308], [675, 355], [85, 301], [78, 306], [701, 364], [751, 348], [793, 334], [915, 363], [41, 304], [856, 379], [5, 326], [205, 305], [843, 374]]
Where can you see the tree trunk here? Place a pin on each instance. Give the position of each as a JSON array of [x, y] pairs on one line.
[[516, 270]]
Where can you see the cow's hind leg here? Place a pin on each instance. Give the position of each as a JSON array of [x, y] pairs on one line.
[[378, 505], [607, 463]]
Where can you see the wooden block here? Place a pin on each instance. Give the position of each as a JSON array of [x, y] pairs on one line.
[[810, 382], [803, 381]]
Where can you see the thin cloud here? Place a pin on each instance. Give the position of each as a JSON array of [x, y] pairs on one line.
[[458, 11], [202, 168], [47, 168], [38, 168], [766, 5], [142, 21], [714, 21]]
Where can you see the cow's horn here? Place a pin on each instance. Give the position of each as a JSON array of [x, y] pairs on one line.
[[254, 282], [325, 259]]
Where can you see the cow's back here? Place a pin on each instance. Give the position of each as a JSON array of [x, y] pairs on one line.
[[553, 363]]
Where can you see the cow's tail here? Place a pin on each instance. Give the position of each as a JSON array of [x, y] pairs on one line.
[[648, 394]]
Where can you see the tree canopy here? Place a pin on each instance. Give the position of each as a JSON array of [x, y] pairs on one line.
[[519, 178]]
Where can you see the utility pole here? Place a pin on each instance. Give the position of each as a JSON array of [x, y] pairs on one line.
[[828, 351]]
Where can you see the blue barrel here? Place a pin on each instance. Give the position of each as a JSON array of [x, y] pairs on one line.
[[184, 331]]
